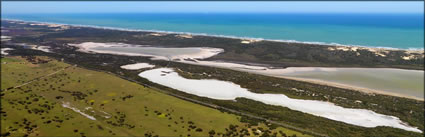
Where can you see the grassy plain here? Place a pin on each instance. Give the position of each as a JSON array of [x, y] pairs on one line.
[[118, 107]]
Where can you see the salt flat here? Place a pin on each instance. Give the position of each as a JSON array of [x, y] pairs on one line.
[[3, 51], [223, 90], [137, 66], [143, 50]]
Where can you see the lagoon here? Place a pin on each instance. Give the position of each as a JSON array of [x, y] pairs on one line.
[[388, 81], [408, 83]]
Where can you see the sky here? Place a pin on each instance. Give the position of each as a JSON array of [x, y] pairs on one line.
[[10, 7]]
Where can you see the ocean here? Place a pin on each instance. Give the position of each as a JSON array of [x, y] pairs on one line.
[[401, 31]]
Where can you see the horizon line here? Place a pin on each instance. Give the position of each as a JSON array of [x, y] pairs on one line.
[[224, 12]]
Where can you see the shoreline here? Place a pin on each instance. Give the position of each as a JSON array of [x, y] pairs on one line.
[[421, 50]]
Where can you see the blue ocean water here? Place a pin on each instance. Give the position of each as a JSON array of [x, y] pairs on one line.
[[401, 31]]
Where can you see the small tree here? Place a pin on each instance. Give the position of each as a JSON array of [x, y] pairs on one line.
[[211, 132]]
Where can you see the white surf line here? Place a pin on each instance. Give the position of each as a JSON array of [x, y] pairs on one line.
[[223, 90], [67, 105]]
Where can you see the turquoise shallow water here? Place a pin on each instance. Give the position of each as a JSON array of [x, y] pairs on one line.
[[403, 31]]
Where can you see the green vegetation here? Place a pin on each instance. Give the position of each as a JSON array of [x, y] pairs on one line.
[[120, 107], [286, 54], [17, 75]]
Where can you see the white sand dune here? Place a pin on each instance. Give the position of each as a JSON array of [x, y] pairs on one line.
[[223, 90], [137, 66]]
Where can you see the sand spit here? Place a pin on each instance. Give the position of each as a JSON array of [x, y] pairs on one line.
[[137, 66], [223, 90], [3, 51], [204, 52], [67, 105]]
